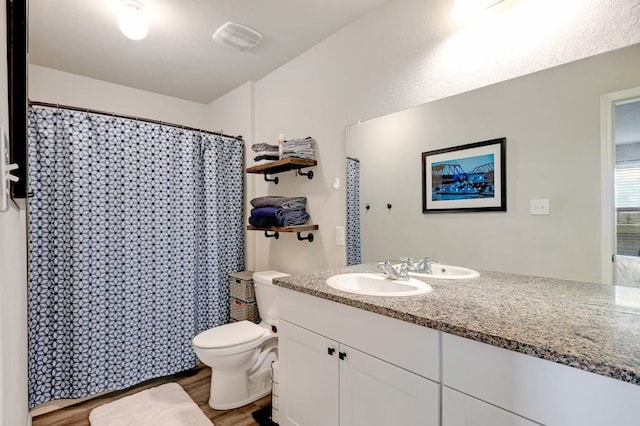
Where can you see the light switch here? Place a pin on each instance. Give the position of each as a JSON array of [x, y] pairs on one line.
[[340, 237], [540, 207]]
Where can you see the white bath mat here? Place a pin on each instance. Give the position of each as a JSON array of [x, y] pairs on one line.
[[166, 405]]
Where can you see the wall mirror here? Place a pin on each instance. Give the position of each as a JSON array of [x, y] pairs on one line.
[[553, 127]]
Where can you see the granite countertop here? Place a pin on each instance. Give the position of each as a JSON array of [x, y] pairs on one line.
[[587, 326]]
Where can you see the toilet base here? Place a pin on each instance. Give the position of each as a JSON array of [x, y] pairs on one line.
[[230, 391]]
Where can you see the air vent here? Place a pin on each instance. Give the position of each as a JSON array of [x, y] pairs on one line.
[[236, 36]]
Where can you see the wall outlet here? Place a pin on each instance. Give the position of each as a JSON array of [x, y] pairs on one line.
[[540, 207], [340, 237]]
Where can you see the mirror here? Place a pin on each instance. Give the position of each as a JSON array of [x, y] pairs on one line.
[[552, 123]]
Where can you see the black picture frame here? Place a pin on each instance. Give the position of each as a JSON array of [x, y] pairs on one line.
[[465, 178]]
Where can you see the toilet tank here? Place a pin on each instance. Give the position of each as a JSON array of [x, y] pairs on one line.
[[266, 295]]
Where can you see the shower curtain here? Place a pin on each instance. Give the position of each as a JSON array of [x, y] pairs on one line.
[[133, 229], [354, 255]]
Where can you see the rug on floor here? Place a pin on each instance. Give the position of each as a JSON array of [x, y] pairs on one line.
[[263, 416], [166, 405]]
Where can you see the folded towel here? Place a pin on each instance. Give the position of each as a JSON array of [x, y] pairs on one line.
[[263, 222], [281, 202], [274, 153], [265, 212], [291, 217], [266, 157], [299, 148], [257, 147]]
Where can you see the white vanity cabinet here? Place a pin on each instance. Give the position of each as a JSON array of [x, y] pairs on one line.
[[507, 388], [348, 367]]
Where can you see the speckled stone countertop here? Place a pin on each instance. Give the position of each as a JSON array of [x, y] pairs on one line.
[[587, 326]]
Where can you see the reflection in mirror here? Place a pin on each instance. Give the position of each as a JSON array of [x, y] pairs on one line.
[[354, 252], [627, 189], [551, 120]]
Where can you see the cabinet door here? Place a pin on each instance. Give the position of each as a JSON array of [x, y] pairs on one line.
[[308, 377], [462, 410], [374, 392]]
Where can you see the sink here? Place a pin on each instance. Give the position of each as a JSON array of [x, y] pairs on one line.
[[371, 284], [448, 272]]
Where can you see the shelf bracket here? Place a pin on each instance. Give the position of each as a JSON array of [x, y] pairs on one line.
[[275, 180], [308, 237], [275, 235], [308, 174]]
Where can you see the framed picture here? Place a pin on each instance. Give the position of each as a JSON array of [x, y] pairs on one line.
[[466, 178]]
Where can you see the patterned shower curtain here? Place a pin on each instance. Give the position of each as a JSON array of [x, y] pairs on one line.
[[354, 254], [133, 228]]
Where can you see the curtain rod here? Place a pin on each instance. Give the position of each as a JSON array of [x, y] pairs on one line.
[[131, 117]]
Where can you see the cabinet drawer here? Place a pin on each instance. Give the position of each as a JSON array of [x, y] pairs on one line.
[[403, 344], [540, 390]]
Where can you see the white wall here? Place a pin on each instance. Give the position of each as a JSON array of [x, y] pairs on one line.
[[53, 86], [404, 54], [232, 114], [551, 120], [13, 285]]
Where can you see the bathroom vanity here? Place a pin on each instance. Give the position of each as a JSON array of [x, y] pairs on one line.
[[496, 350]]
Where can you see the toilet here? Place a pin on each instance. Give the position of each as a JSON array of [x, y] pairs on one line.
[[240, 354]]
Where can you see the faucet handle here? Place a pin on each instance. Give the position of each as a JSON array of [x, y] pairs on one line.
[[403, 273], [407, 260]]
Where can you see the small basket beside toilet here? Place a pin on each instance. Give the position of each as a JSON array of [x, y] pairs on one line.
[[240, 354]]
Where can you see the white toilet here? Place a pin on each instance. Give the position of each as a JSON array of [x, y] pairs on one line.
[[240, 354]]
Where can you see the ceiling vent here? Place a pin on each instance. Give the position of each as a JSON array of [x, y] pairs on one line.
[[237, 36]]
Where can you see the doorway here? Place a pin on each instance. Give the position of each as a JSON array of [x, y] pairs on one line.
[[621, 188]]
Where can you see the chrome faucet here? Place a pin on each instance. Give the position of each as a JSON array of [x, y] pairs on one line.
[[394, 273], [423, 266]]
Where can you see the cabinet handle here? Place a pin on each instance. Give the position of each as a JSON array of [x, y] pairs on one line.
[[331, 351], [342, 355]]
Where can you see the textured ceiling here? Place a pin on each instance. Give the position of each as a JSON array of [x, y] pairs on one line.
[[178, 58]]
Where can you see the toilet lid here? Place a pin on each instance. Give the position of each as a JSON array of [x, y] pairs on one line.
[[228, 335]]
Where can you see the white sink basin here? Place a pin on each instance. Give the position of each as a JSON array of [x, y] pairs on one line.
[[371, 284], [448, 272]]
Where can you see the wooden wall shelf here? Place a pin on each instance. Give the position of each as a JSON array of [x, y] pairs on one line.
[[277, 229], [284, 165]]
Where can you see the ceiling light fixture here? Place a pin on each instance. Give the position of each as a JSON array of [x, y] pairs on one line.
[[464, 9], [236, 36], [132, 20]]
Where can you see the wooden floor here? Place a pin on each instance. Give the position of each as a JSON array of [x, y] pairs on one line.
[[196, 383]]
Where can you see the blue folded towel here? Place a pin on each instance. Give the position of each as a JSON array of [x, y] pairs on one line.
[[264, 212], [263, 222]]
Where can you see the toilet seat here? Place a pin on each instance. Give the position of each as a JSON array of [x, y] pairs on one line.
[[231, 338]]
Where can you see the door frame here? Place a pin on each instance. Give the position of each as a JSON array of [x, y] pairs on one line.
[[607, 171]]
